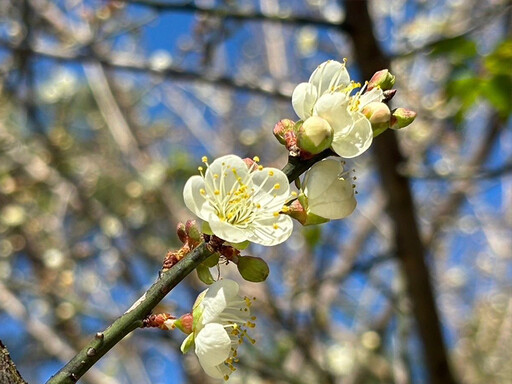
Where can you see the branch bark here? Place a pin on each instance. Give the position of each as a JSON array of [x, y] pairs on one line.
[[409, 247], [8, 372]]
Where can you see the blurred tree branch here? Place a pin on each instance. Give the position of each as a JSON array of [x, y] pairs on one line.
[[226, 13]]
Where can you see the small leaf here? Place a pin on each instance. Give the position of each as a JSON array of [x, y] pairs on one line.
[[240, 246], [204, 274], [205, 228], [212, 261]]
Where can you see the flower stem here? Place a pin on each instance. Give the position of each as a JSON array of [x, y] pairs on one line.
[[130, 320]]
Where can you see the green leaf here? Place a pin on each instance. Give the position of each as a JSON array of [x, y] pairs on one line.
[[458, 49], [499, 61], [204, 274], [240, 246], [498, 91], [212, 261], [205, 228]]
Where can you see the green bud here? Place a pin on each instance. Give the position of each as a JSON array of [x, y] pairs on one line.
[[379, 115], [193, 231], [253, 268], [383, 79], [281, 128], [314, 135], [401, 118]]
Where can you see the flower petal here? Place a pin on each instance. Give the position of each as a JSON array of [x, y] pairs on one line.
[[354, 141], [213, 345], [193, 198], [272, 189], [226, 231], [263, 232], [223, 173], [217, 298], [333, 108], [375, 94], [303, 99], [328, 75]]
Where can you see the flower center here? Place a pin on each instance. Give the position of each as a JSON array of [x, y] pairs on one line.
[[236, 205]]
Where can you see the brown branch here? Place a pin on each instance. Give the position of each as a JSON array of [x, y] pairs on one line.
[[409, 248], [8, 372]]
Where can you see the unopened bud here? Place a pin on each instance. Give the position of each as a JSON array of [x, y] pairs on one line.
[[382, 79], [182, 232], [280, 129], [314, 135], [389, 94], [401, 118], [379, 115], [253, 268], [193, 231], [184, 323]]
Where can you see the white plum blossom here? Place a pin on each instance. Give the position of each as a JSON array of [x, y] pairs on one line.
[[327, 95], [241, 202], [328, 193], [221, 319]]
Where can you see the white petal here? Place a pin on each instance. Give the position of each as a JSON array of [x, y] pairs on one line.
[[329, 195], [335, 210], [267, 195], [303, 99], [375, 94], [354, 141], [320, 177], [263, 231], [228, 169], [193, 198], [333, 108], [329, 75], [217, 298], [213, 344], [226, 231]]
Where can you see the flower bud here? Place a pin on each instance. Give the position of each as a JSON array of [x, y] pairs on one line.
[[253, 268], [182, 233], [389, 94], [314, 135], [379, 115], [401, 117], [184, 323], [280, 129], [193, 231], [383, 79]]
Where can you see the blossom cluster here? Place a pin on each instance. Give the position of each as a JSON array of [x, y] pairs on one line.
[[241, 201]]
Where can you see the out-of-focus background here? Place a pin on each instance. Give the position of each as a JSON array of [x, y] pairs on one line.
[[106, 108]]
